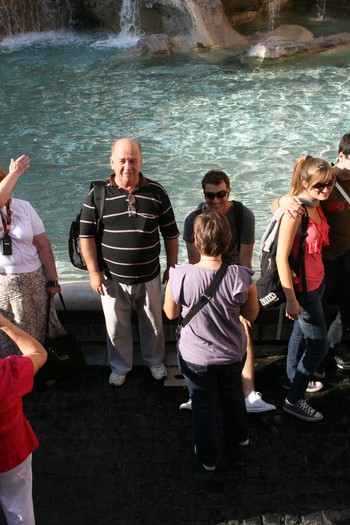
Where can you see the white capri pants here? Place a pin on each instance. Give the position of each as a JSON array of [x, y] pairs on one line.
[[16, 494]]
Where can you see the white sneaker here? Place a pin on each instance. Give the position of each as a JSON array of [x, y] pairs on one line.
[[187, 405], [255, 403], [116, 380], [158, 371]]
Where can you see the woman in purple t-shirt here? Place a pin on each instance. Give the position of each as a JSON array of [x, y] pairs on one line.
[[212, 346]]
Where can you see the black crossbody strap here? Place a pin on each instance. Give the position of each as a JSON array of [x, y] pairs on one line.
[[48, 310], [207, 295]]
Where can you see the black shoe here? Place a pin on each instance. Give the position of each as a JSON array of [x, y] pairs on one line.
[[342, 362], [320, 372]]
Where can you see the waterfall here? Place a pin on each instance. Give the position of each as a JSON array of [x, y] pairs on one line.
[[274, 7], [129, 17], [321, 9], [21, 16]]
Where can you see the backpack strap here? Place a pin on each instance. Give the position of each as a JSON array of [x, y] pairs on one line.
[[300, 260], [99, 187], [238, 216]]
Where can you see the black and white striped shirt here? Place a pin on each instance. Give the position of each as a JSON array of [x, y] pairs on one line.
[[130, 241]]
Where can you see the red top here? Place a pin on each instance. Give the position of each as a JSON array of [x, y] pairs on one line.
[[17, 439], [317, 236]]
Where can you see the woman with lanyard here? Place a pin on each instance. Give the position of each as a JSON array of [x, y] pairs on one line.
[[28, 275]]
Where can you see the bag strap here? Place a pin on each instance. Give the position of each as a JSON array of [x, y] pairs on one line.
[[238, 217], [99, 187], [300, 259], [342, 191], [48, 311], [207, 295]]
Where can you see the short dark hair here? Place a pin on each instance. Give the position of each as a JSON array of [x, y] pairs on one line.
[[212, 233], [344, 144], [215, 177]]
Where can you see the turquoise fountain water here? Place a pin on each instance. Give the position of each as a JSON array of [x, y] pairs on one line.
[[64, 97]]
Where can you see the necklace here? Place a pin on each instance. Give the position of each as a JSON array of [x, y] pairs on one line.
[[210, 258]]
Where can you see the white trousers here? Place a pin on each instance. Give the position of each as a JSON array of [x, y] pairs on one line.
[[16, 494], [118, 303]]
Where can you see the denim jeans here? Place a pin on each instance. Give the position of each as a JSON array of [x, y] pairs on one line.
[[308, 344], [218, 406]]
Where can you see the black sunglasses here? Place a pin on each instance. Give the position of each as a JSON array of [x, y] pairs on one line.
[[211, 195], [322, 185]]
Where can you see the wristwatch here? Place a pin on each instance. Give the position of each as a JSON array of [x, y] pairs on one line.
[[52, 284]]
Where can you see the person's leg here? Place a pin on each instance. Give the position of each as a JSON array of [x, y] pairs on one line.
[[202, 384], [338, 291], [117, 308], [253, 399], [233, 409], [148, 304], [312, 325], [16, 494], [296, 348]]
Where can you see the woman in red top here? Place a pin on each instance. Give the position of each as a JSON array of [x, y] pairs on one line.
[[312, 182], [17, 439]]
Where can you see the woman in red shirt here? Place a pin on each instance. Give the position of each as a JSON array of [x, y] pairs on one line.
[[17, 439], [312, 182]]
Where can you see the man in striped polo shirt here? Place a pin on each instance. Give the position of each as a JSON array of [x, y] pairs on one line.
[[123, 259]]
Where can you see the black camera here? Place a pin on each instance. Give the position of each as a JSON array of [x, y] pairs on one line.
[[6, 245]]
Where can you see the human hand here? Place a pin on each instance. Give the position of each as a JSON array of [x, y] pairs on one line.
[[293, 309], [98, 282], [292, 205], [52, 290], [19, 166]]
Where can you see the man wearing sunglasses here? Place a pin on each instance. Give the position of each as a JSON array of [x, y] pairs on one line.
[[336, 256], [216, 190], [136, 211]]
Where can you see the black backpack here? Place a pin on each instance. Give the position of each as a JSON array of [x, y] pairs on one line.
[[73, 241], [270, 291]]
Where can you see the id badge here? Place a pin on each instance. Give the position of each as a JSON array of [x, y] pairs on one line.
[[6, 245]]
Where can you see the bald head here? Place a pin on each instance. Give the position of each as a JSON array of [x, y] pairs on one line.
[[126, 161]]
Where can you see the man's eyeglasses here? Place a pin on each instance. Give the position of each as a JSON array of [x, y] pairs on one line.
[[132, 205], [210, 195], [320, 186]]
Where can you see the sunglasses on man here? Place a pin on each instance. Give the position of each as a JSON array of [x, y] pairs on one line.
[[210, 195]]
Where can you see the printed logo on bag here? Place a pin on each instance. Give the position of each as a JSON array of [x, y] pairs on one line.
[[268, 299]]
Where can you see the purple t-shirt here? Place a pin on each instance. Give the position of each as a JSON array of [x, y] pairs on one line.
[[215, 335]]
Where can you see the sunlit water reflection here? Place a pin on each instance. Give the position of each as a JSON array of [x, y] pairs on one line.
[[64, 98]]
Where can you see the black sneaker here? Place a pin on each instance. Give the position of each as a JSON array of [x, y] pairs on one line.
[[302, 410], [342, 363]]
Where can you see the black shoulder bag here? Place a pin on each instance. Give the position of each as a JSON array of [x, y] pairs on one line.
[[64, 352], [206, 296]]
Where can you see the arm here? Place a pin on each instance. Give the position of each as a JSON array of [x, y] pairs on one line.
[[29, 346], [246, 255], [43, 245], [172, 310], [171, 248], [291, 204], [288, 230], [250, 308], [89, 251], [16, 169], [192, 253]]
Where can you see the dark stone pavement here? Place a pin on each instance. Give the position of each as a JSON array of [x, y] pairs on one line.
[[124, 456]]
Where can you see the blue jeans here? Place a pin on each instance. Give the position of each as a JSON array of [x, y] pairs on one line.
[[308, 344], [218, 406]]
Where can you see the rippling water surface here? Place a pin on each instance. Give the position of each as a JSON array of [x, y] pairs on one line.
[[65, 97]]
